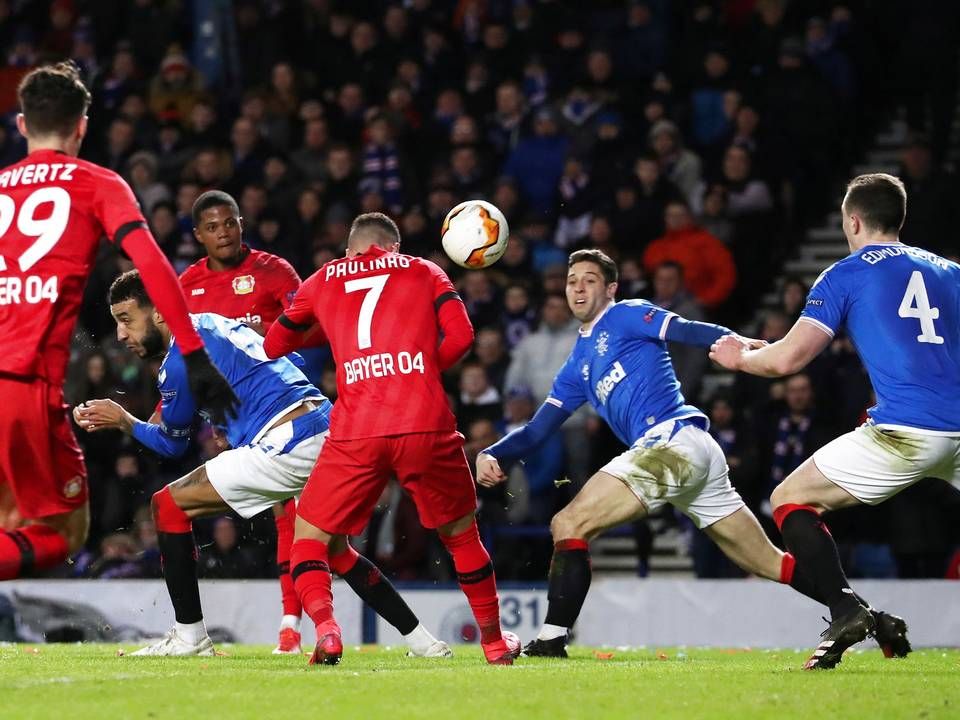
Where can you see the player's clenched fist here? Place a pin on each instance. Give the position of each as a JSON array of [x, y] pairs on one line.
[[728, 351], [489, 473], [96, 415]]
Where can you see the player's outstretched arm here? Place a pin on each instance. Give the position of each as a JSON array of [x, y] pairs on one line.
[[297, 325], [519, 443], [97, 415], [457, 332], [791, 354]]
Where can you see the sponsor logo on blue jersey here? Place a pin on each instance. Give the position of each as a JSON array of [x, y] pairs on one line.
[[609, 381]]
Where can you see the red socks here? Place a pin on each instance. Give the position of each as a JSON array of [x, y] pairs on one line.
[[291, 603], [780, 513], [475, 574], [311, 578], [344, 562], [168, 517], [30, 548], [787, 566]]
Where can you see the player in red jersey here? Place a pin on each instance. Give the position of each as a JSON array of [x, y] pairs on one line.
[[247, 285], [383, 313], [54, 208], [253, 287]]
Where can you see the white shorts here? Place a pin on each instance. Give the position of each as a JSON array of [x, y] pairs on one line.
[[875, 462], [252, 478], [678, 462]]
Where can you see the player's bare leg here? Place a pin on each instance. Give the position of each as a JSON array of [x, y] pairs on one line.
[[603, 502], [461, 538], [741, 539], [797, 504], [289, 637]]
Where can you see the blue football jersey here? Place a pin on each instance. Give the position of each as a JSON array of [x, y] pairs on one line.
[[901, 308], [622, 368], [266, 388]]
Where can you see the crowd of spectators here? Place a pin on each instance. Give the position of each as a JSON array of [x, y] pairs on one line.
[[694, 142]]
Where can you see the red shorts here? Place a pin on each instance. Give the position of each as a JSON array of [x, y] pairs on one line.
[[40, 461], [350, 476]]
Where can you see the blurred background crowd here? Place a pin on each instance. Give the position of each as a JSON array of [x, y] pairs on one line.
[[695, 142]]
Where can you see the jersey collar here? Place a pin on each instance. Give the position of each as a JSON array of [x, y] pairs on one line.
[[586, 329]]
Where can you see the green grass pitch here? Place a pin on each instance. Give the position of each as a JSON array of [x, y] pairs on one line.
[[71, 682]]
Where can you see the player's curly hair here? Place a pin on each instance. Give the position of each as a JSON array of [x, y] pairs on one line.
[[53, 98], [129, 286], [599, 258]]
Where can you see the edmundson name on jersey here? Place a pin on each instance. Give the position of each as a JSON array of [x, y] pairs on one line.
[[874, 256], [355, 267]]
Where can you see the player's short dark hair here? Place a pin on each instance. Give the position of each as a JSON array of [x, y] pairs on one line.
[[382, 226], [53, 98], [879, 199], [210, 199], [129, 286], [608, 267]]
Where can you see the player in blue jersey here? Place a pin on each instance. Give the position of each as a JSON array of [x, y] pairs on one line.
[[620, 366], [900, 306], [279, 430]]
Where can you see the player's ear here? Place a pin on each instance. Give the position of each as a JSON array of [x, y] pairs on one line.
[[156, 317], [612, 290], [22, 124], [82, 127]]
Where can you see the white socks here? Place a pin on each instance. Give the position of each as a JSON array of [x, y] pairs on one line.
[[290, 621], [419, 639], [550, 632], [193, 633]]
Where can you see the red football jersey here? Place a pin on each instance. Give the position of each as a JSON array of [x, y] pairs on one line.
[[54, 209], [256, 291], [378, 311]]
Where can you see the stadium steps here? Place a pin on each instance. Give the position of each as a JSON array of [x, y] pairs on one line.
[[617, 553], [824, 245]]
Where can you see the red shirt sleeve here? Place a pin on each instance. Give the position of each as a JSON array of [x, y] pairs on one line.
[[452, 318], [297, 323], [284, 283], [115, 206]]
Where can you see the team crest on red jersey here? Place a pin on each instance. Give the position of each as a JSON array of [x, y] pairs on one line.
[[243, 284], [73, 487]]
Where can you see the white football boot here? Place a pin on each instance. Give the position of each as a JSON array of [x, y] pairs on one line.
[[439, 649], [173, 645]]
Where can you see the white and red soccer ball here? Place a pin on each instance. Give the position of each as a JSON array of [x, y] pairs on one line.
[[475, 234]]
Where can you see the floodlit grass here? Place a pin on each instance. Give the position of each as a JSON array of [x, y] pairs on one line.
[[71, 682]]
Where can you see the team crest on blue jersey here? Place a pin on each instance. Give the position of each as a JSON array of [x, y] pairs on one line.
[[243, 284], [603, 343]]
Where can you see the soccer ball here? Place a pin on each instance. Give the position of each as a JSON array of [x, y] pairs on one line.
[[474, 234]]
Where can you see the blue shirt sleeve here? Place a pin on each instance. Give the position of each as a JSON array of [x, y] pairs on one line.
[[639, 318], [524, 440], [567, 391], [171, 436], [828, 300]]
